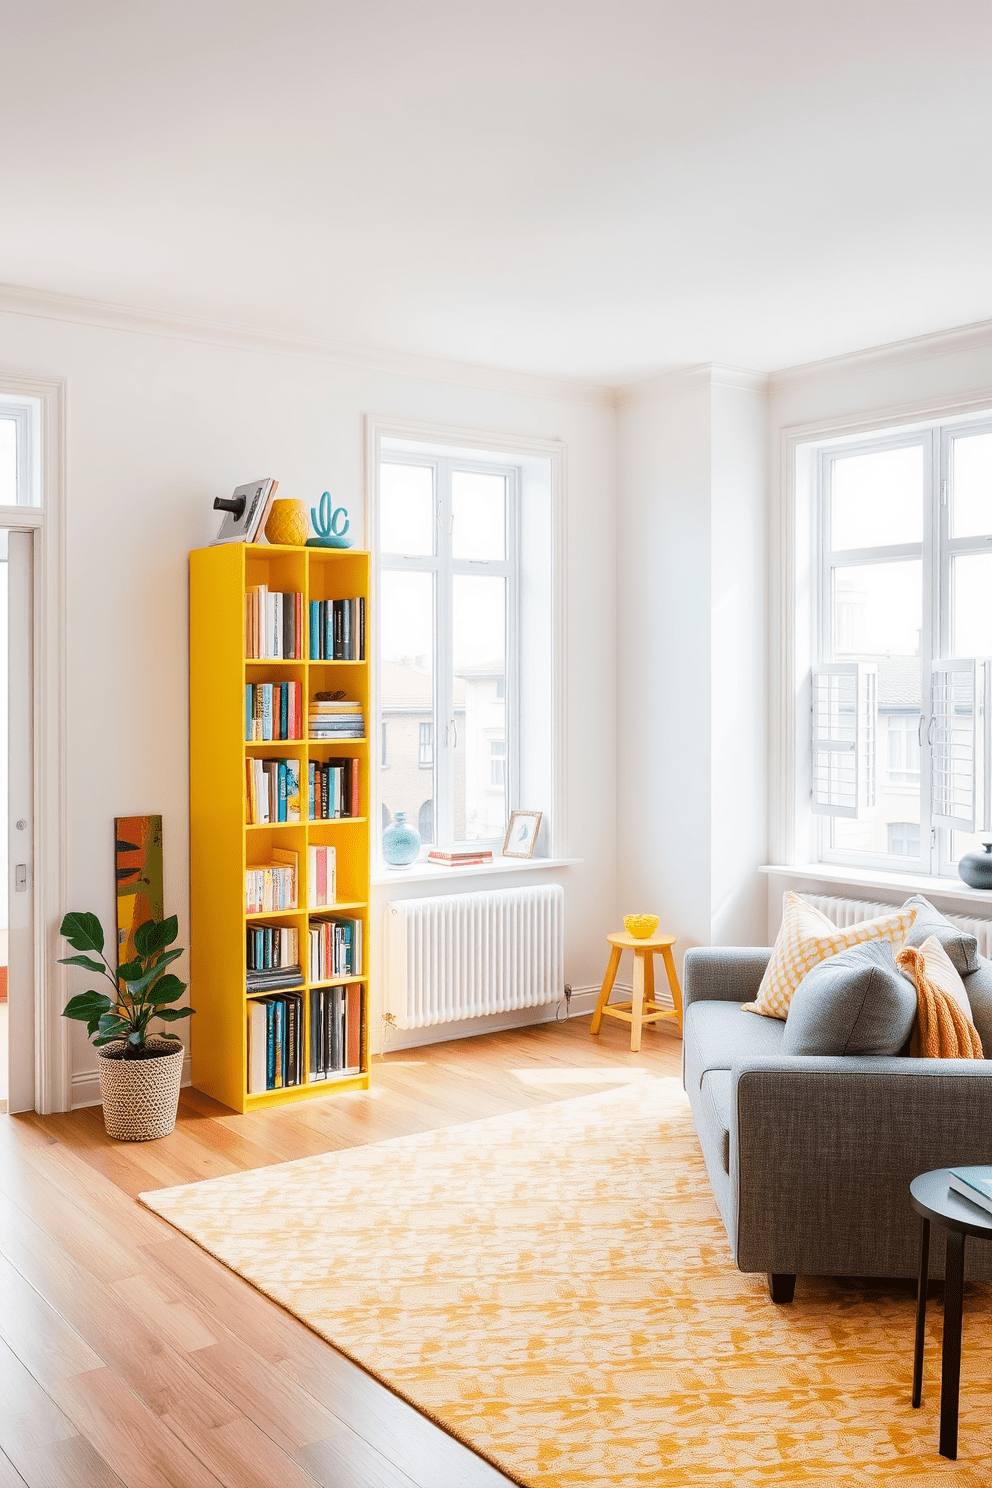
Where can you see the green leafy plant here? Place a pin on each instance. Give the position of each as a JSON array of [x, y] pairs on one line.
[[143, 988]]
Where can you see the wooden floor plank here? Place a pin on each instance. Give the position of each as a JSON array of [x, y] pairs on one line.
[[9, 1476], [135, 1360], [74, 1463]]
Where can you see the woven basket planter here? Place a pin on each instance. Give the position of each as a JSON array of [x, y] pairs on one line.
[[141, 1096]]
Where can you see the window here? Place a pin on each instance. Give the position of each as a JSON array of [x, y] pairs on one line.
[[20, 451], [383, 760], [904, 839], [497, 763], [447, 609], [902, 734], [902, 675]]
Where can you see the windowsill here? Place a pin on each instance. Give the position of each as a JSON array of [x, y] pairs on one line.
[[873, 878], [430, 872]]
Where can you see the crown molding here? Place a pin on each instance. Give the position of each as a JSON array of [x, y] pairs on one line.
[[974, 337], [48, 305], [707, 374]]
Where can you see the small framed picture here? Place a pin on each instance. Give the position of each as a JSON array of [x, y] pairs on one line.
[[521, 835]]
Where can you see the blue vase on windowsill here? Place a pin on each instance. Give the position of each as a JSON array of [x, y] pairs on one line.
[[400, 842]]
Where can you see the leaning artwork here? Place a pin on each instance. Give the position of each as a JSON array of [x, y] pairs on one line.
[[140, 890]]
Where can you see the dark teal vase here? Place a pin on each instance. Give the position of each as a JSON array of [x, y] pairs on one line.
[[976, 868]]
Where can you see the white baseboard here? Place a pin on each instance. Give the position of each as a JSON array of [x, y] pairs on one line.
[[86, 1086]]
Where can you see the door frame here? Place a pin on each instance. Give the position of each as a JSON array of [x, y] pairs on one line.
[[52, 1068]]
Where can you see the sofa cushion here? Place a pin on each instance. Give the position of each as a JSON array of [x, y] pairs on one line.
[[714, 1111], [807, 937], [978, 985], [717, 1035], [856, 1002], [959, 945]]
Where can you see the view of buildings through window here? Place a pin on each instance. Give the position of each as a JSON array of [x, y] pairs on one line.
[[446, 604], [905, 535]]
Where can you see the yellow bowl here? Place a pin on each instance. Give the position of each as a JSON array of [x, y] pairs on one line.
[[641, 927]]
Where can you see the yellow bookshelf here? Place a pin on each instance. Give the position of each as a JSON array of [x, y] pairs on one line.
[[223, 845]]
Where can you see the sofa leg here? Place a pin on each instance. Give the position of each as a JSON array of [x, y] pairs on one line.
[[781, 1288]]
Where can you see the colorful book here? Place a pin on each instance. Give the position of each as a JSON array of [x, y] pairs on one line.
[[974, 1184]]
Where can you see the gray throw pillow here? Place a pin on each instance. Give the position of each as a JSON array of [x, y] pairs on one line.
[[960, 947], [857, 1002]]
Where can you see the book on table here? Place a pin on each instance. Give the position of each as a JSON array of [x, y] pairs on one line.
[[974, 1184]]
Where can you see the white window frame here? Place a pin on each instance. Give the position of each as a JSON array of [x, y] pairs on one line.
[[444, 568], [549, 456], [798, 614]]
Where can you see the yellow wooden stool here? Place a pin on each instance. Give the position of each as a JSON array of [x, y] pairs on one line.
[[643, 1009]]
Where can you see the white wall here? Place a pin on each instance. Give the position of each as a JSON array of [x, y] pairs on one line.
[[158, 425], [692, 694]]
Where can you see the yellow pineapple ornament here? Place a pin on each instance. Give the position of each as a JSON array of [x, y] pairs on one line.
[[288, 524]]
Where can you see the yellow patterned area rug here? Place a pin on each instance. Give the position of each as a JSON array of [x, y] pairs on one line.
[[555, 1288]]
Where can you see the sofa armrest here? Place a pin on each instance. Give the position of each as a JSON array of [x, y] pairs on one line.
[[822, 1153], [723, 973]]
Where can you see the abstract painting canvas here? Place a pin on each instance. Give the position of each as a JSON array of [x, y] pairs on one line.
[[140, 889]]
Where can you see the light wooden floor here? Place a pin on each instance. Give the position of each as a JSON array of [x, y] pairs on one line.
[[129, 1356]]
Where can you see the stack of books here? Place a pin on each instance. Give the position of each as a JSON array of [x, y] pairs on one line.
[[273, 790], [272, 958], [974, 1184], [273, 625], [336, 1031], [333, 789], [273, 710], [335, 949], [468, 859], [337, 629], [336, 718], [273, 886], [321, 877], [275, 1042]]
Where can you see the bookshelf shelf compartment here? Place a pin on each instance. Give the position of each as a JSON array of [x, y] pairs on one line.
[[224, 845]]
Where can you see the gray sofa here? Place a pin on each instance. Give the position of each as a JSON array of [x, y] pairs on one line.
[[810, 1158]]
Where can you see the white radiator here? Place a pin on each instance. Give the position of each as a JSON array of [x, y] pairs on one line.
[[464, 955], [846, 912]]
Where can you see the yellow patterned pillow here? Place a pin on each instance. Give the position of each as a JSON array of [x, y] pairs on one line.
[[808, 937]]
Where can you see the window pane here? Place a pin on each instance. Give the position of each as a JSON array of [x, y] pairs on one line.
[[878, 610], [971, 604], [406, 683], [971, 485], [877, 499], [479, 627], [479, 510], [8, 462], [406, 509]]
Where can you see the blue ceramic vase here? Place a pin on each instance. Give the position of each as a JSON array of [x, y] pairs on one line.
[[976, 868], [400, 842]]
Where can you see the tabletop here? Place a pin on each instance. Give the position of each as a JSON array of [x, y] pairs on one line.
[[931, 1196], [643, 943]]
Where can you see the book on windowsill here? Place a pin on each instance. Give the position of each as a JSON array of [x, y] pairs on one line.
[[460, 859], [974, 1184]]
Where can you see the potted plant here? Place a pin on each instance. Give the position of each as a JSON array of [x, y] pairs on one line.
[[139, 1072]]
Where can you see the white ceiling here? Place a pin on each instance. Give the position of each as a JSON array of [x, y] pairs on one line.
[[596, 190]]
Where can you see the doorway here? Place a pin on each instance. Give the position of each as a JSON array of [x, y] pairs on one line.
[[17, 969]]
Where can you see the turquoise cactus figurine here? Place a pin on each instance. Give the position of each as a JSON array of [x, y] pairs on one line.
[[330, 526]]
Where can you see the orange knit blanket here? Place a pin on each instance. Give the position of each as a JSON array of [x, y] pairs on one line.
[[941, 1030]]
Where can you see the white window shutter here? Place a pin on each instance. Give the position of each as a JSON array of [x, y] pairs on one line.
[[961, 709], [845, 710]]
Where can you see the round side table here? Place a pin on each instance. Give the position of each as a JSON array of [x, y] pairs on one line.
[[643, 1009], [931, 1196]]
